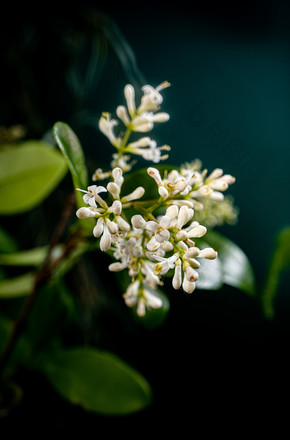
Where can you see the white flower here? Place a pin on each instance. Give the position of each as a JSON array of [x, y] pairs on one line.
[[85, 212], [91, 196], [152, 99], [158, 230], [152, 152], [130, 98], [144, 118], [106, 125], [145, 122], [138, 295], [170, 186]]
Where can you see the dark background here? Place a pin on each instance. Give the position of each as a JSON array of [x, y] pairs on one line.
[[216, 361]]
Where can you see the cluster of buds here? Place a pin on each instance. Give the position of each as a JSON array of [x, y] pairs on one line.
[[135, 119], [147, 246]]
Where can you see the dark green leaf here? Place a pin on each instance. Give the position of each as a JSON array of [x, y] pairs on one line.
[[29, 172], [280, 261], [7, 243], [97, 380], [236, 267], [53, 310], [72, 151]]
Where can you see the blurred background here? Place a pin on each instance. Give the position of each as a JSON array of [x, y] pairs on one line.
[[216, 357]]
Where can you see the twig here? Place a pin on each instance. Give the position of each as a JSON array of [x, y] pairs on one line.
[[43, 274]]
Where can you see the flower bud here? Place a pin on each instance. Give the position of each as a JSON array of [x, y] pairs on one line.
[[160, 117], [116, 207], [123, 225], [136, 194], [177, 278], [192, 252], [130, 98], [208, 253], [112, 226], [191, 274], [117, 174], [197, 231], [138, 221], [188, 286], [86, 213], [154, 173], [122, 114], [163, 192], [106, 240], [99, 228], [113, 189], [117, 266]]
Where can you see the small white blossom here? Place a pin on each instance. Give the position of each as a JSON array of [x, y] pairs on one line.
[[152, 152], [106, 126], [130, 99], [138, 295], [152, 99]]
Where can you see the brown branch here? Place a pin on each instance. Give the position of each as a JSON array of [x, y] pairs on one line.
[[43, 274]]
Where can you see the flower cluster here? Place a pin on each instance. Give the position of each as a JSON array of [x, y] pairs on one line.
[[192, 185], [139, 119], [161, 239], [109, 220]]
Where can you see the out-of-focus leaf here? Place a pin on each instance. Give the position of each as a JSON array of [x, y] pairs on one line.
[[17, 286], [7, 243], [72, 151], [210, 274], [96, 380], [236, 267], [5, 330], [29, 172], [280, 261], [30, 257], [53, 309]]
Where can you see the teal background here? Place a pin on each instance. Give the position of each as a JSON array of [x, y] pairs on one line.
[[216, 358]]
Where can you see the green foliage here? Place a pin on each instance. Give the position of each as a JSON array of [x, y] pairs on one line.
[[18, 286], [30, 257], [29, 172], [280, 261], [232, 266], [7, 243], [72, 151], [96, 380]]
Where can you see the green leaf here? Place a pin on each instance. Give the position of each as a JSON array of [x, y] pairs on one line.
[[210, 274], [96, 380], [17, 286], [29, 172], [7, 243], [30, 257], [280, 261], [53, 310], [72, 151], [235, 265]]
